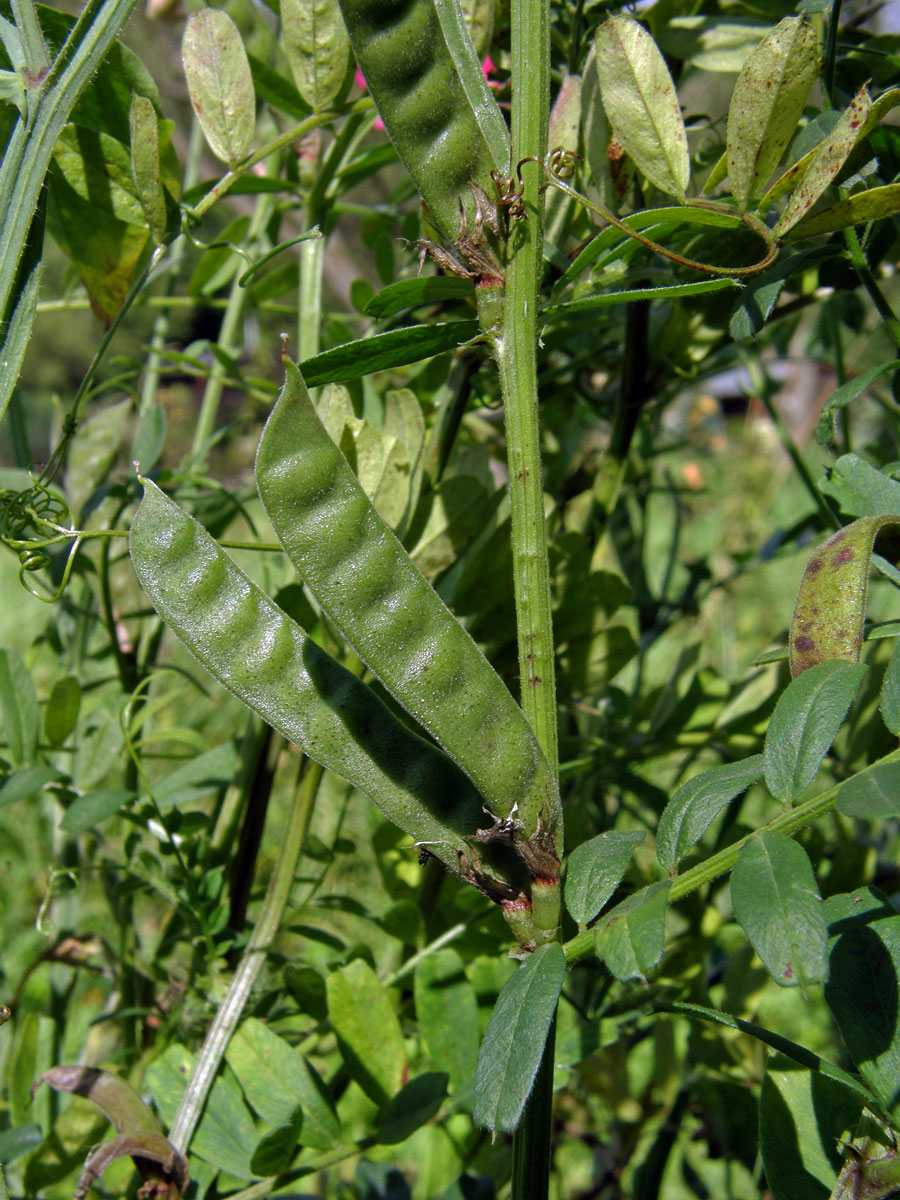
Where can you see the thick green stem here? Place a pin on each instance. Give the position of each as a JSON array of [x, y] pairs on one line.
[[515, 346], [229, 1014]]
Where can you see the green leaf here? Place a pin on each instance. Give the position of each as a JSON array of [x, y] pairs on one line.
[[106, 251], [829, 157], [516, 1034], [367, 1029], [220, 83], [19, 707], [467, 65], [21, 785], [382, 351], [672, 291], [145, 168], [697, 803], [413, 293], [88, 811], [456, 510], [766, 104], [805, 722], [276, 1149], [413, 1106], [871, 794], [641, 103], [97, 168], [447, 1013], [830, 610], [197, 777], [863, 987], [317, 47], [24, 165], [225, 1137], [276, 1079], [61, 712], [825, 431], [777, 904], [710, 43], [98, 742], [761, 292], [890, 693], [871, 205], [630, 938], [594, 869], [860, 489], [804, 1121]]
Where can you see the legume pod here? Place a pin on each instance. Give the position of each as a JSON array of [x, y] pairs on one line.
[[260, 655], [421, 68], [396, 622]]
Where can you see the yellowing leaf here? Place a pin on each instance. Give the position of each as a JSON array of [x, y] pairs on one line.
[[641, 103], [219, 81], [830, 156], [766, 104]]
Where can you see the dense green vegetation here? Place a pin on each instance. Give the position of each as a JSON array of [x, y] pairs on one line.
[[419, 774]]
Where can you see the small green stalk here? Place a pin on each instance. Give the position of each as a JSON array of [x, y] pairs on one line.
[[515, 349], [229, 1014]]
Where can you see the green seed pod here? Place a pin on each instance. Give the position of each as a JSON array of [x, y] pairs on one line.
[[396, 622], [425, 78], [260, 655]]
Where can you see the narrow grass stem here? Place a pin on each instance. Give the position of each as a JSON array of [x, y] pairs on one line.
[[229, 1014]]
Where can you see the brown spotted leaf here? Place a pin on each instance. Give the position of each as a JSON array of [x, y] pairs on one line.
[[830, 155], [831, 604]]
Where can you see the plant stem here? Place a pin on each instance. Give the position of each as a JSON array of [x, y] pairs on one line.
[[516, 353], [226, 1019], [515, 348], [228, 342]]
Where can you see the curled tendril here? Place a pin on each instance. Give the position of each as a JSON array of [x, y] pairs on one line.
[[30, 522], [559, 163]]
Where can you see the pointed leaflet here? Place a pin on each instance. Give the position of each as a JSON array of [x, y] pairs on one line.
[[641, 103], [317, 48], [805, 722], [381, 351], [396, 622], [872, 794], [594, 869], [145, 166], [630, 938], [695, 805], [226, 1136], [277, 1079], [220, 83], [860, 489], [778, 906], [871, 205], [830, 611], [846, 394], [767, 103], [829, 157], [266, 660], [864, 985], [516, 1033], [367, 1030]]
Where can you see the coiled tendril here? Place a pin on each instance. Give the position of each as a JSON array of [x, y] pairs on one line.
[[30, 522]]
